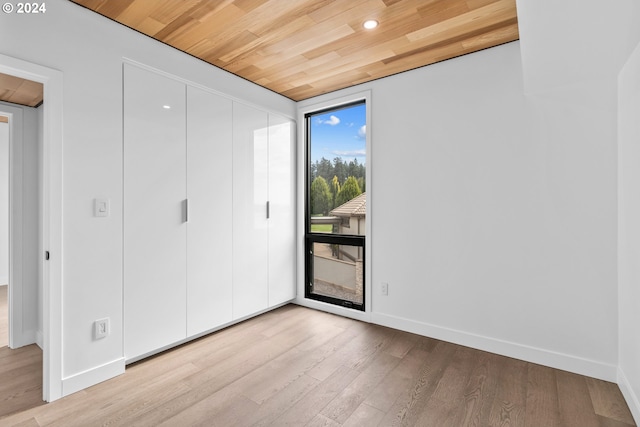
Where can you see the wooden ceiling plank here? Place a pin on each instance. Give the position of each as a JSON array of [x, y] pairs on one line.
[[338, 10], [475, 4], [249, 5], [210, 28], [414, 48], [8, 82], [111, 8], [496, 37], [309, 38], [302, 10], [134, 15], [272, 37], [487, 15], [433, 13], [20, 91], [355, 62], [90, 4], [396, 22], [242, 39], [291, 69], [168, 11], [149, 26]]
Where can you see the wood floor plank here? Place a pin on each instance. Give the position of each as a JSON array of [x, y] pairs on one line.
[[341, 408], [480, 391], [574, 401], [20, 379], [304, 410], [385, 394], [364, 415], [509, 403], [607, 401], [412, 402], [322, 421], [446, 406], [542, 397]]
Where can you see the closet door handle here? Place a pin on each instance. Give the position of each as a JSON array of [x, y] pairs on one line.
[[186, 210], [268, 213]]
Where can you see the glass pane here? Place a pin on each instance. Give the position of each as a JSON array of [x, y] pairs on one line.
[[338, 271], [337, 184]]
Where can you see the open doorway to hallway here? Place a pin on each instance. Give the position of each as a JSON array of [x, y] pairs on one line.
[[21, 368], [4, 229]]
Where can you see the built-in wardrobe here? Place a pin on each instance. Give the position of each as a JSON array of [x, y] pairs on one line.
[[209, 214]]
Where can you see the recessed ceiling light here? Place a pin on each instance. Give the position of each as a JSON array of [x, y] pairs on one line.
[[166, 107], [370, 24]]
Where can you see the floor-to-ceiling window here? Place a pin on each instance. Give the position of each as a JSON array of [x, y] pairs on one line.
[[336, 205]]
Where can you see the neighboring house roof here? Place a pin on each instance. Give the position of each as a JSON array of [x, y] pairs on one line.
[[354, 207]]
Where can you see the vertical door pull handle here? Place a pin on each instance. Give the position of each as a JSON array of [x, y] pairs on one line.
[[186, 210], [268, 213]]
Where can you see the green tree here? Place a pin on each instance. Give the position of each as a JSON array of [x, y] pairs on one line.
[[349, 190], [335, 189], [340, 168], [320, 196]]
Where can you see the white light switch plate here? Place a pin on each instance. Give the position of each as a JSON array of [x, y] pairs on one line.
[[101, 207]]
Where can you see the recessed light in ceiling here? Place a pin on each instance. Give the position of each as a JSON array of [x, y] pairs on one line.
[[370, 24], [166, 107]]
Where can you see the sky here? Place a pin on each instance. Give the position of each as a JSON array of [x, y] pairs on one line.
[[340, 133]]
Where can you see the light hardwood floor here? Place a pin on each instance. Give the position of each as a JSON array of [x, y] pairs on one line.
[[299, 367], [20, 371]]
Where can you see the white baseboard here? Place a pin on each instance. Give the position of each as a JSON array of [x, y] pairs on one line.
[[4, 281], [92, 376], [26, 338], [633, 400], [565, 362]]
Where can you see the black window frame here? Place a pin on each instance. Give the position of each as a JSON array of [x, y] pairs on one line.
[[319, 237]]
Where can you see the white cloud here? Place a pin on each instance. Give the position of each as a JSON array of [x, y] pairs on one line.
[[362, 132], [333, 120], [350, 153]]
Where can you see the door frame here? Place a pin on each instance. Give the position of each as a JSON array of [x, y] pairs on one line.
[[52, 223]]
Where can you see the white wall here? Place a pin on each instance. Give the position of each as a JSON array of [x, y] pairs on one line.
[[516, 249], [88, 50], [4, 203], [629, 230]]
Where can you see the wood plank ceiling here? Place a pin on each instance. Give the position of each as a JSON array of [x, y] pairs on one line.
[[304, 48], [20, 91]]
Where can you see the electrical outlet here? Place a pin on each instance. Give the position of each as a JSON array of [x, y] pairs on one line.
[[384, 288], [101, 328]]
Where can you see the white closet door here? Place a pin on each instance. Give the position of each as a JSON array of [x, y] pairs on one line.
[[154, 227], [282, 221], [209, 243], [250, 229]]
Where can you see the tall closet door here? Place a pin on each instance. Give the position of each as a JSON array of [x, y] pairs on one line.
[[250, 229], [209, 171], [282, 221], [154, 223]]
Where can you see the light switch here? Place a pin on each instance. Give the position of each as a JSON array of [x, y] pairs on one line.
[[101, 207]]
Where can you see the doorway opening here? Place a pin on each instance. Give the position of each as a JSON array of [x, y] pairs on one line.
[[20, 240], [51, 220]]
